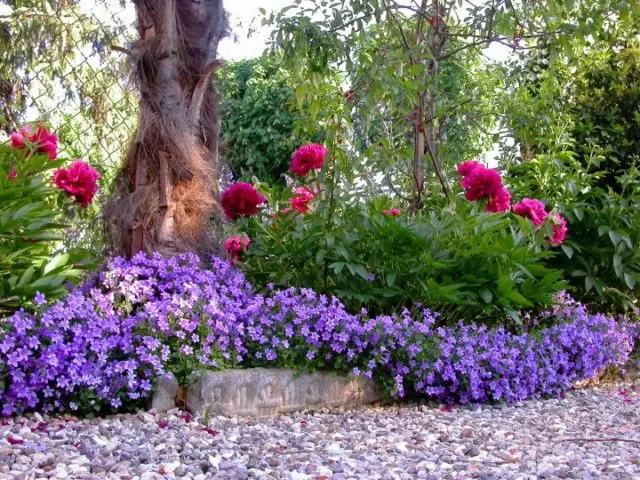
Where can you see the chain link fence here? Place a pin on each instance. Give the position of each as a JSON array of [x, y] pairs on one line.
[[65, 62]]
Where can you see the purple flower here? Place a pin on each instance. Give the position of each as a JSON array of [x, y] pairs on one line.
[[149, 315]]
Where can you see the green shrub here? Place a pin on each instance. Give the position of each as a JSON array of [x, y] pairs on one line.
[[32, 256], [601, 259], [459, 261], [258, 131]]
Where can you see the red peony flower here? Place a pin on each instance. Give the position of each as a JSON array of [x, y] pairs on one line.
[[392, 212], [465, 168], [236, 246], [532, 209], [481, 183], [300, 200], [79, 180], [559, 230], [241, 200], [46, 142], [12, 173], [499, 201], [16, 140], [307, 158]]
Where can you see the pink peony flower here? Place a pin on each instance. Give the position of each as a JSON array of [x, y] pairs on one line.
[[532, 209], [481, 183], [307, 158], [559, 230], [465, 168], [302, 197], [12, 173], [17, 139], [79, 180], [392, 212], [499, 201], [236, 246], [45, 142], [241, 200]]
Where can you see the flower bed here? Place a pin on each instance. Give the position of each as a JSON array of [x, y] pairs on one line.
[[102, 347]]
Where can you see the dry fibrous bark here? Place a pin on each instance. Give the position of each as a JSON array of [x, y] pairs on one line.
[[166, 191]]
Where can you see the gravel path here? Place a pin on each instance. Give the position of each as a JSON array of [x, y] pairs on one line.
[[530, 440]]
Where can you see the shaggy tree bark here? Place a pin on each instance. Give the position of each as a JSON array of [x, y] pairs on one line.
[[166, 190]]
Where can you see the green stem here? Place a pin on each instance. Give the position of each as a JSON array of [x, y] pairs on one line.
[[329, 225]]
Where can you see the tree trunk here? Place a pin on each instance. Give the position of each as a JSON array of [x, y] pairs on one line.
[[166, 193]]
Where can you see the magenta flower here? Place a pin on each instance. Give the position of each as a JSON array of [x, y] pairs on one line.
[[12, 173], [481, 183], [559, 230], [466, 168], [300, 200], [241, 200], [236, 246], [392, 212], [79, 180], [499, 202], [17, 139], [46, 142], [307, 158], [532, 209]]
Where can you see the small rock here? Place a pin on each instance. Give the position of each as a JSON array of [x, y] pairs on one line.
[[164, 393]]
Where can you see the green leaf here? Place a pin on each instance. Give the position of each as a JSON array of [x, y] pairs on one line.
[[56, 262], [486, 295], [26, 277], [25, 210], [391, 279], [359, 270], [337, 267], [568, 251], [343, 252], [589, 283], [615, 237], [617, 265], [517, 298], [630, 281]]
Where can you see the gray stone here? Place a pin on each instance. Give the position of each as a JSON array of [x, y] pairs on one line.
[[164, 394], [259, 392]]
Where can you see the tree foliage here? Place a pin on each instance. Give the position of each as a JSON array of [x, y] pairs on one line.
[[416, 41], [258, 132]]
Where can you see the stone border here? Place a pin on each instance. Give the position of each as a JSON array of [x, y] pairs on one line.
[[260, 392]]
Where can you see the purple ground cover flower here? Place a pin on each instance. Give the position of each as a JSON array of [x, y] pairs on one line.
[[104, 345]]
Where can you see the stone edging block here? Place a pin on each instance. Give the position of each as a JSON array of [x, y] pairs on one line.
[[260, 392]]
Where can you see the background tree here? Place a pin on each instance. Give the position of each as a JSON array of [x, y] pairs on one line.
[[572, 108], [258, 133], [592, 88], [317, 36], [167, 188], [383, 108]]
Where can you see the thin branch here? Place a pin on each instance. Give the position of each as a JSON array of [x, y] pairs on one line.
[[116, 48], [404, 38], [353, 21]]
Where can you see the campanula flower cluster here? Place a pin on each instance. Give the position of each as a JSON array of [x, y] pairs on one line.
[[104, 345]]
